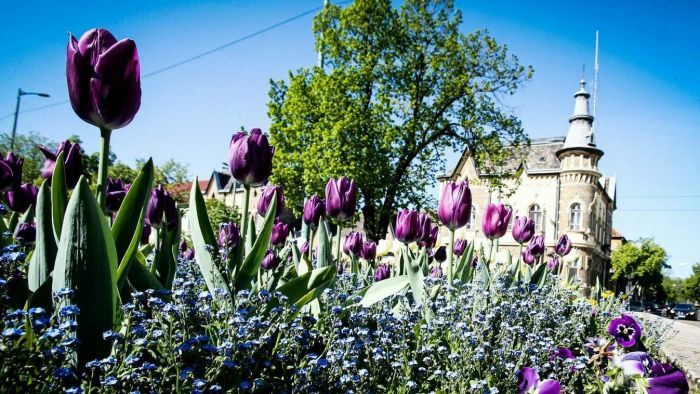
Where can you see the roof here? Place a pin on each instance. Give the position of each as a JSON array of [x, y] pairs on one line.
[[616, 234], [541, 158], [187, 186]]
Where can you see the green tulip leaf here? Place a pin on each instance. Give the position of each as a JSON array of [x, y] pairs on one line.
[[305, 288], [41, 264], [128, 224], [324, 256], [59, 196], [251, 263], [539, 274], [139, 275], [415, 275], [204, 242], [86, 262], [378, 291]]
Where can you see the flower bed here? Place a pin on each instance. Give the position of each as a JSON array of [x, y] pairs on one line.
[[100, 293]]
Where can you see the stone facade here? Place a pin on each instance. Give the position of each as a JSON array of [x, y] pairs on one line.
[[561, 188]]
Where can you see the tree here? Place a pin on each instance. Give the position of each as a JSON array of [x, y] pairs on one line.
[[27, 146], [641, 262], [691, 285], [219, 212], [398, 89]]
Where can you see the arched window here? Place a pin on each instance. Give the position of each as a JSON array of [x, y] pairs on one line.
[[512, 216], [575, 216], [536, 215], [471, 224]]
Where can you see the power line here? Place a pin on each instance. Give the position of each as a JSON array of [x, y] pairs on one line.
[[665, 196], [658, 210], [200, 55]]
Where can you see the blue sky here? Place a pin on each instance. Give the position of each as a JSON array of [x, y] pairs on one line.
[[648, 107]]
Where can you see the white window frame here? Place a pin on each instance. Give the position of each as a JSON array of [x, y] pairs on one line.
[[471, 224], [575, 216], [535, 213]]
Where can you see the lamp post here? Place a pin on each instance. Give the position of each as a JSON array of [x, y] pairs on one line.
[[21, 93]]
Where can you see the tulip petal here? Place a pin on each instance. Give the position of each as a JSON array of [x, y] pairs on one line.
[[116, 91]]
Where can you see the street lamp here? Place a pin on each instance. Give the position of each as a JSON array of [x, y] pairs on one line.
[[21, 93]]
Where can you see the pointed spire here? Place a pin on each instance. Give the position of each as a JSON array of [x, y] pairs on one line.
[[580, 133]]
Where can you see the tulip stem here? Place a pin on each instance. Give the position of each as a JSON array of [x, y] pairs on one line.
[[450, 268], [312, 235], [244, 214], [103, 168]]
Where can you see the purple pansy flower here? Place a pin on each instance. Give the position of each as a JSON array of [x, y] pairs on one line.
[[529, 382], [625, 330]]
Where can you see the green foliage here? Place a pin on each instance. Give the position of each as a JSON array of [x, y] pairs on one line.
[[399, 88], [26, 146], [219, 212], [684, 290], [641, 262]]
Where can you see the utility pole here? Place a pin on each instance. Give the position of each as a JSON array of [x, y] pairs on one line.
[[320, 49], [21, 93]]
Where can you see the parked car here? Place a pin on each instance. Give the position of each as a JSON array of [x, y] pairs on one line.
[[635, 306], [684, 311], [654, 307]]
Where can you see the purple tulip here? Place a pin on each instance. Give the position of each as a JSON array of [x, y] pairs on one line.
[[369, 250], [188, 254], [229, 236], [523, 229], [455, 205], [270, 261], [145, 234], [104, 79], [382, 272], [10, 171], [625, 330], [528, 257], [436, 271], [265, 200], [21, 198], [280, 232], [537, 245], [182, 247], [304, 248], [440, 254], [425, 228], [341, 198], [116, 191], [72, 162], [529, 381], [250, 157], [563, 246], [553, 263], [26, 232], [496, 219], [161, 203], [353, 243], [314, 208], [406, 229], [460, 246], [665, 378], [475, 262]]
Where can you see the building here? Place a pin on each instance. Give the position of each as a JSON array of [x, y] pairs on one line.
[[561, 188]]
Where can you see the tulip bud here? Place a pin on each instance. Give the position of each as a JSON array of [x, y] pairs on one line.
[[406, 229], [537, 245], [314, 208], [304, 249], [552, 263], [528, 257], [279, 234], [229, 236], [182, 246], [72, 162], [496, 219], [353, 243], [161, 203], [424, 230], [145, 234], [21, 198], [341, 198], [523, 229], [104, 79], [270, 261], [455, 205], [116, 191], [250, 157], [436, 272], [563, 246], [10, 171], [440, 254], [382, 272], [369, 250], [266, 199], [460, 246], [25, 232], [475, 261], [188, 254]]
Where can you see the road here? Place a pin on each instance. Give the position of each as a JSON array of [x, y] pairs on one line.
[[690, 322]]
